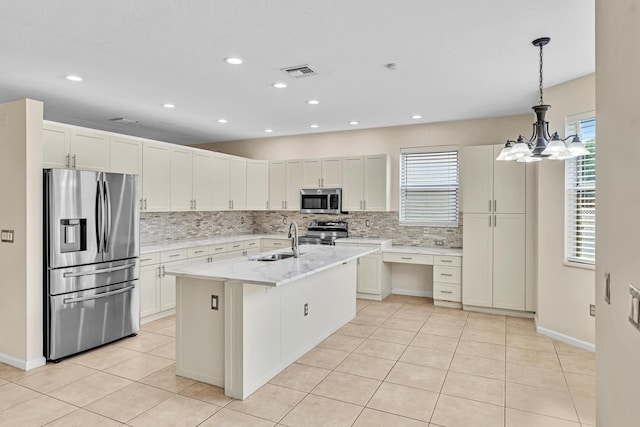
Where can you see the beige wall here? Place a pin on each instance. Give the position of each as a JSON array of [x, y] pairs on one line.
[[617, 229], [564, 293], [21, 210], [379, 141]]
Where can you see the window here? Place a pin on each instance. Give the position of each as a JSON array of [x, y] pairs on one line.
[[429, 186], [580, 194]]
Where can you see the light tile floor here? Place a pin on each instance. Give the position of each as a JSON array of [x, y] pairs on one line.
[[401, 362]]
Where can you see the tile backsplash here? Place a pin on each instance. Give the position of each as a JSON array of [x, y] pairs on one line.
[[162, 227]]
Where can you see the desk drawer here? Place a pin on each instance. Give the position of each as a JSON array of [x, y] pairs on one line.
[[451, 261], [176, 255], [150, 259], [407, 258], [446, 274], [447, 292], [198, 251]]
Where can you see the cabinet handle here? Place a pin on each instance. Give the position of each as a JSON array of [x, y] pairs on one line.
[[145, 204], [282, 204], [495, 220], [364, 205], [446, 292], [145, 259], [446, 274], [360, 204], [195, 204], [489, 205], [67, 164], [159, 274], [489, 220], [198, 252], [286, 204], [73, 159], [445, 260], [495, 206], [163, 271], [406, 257], [267, 202], [172, 256]]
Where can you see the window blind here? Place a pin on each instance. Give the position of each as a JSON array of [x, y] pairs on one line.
[[429, 187], [580, 200]]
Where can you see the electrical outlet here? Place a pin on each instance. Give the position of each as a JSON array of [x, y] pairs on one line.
[[306, 309], [241, 220], [7, 236], [439, 242], [592, 310], [284, 220], [367, 223], [214, 302]]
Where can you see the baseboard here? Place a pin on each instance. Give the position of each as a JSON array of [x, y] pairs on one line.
[[566, 339], [157, 316], [427, 294], [25, 365]]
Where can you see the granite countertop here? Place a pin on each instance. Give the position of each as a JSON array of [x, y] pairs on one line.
[[183, 244], [424, 250], [313, 259]]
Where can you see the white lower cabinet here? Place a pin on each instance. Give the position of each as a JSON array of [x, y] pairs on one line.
[[149, 290], [447, 279], [374, 276]]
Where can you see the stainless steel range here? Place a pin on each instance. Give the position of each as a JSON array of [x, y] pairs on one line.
[[324, 232]]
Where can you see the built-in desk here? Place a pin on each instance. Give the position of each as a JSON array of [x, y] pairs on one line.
[[447, 270]]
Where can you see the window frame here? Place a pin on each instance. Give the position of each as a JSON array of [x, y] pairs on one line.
[[570, 226], [428, 150]]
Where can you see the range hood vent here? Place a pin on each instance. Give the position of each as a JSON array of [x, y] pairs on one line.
[[300, 71], [123, 121]]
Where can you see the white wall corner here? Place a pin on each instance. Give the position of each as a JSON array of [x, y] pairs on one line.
[[25, 365]]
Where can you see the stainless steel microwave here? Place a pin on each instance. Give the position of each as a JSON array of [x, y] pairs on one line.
[[321, 201]]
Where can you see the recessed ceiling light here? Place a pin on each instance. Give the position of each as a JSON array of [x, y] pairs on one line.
[[416, 116], [313, 102], [315, 126], [167, 105], [222, 120], [73, 78], [279, 85], [268, 130], [353, 122], [234, 61]]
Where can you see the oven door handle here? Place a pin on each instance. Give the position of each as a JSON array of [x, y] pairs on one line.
[[104, 270], [103, 295]]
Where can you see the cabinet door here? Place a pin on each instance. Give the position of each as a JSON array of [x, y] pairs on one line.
[[293, 172], [353, 184], [168, 285], [508, 261], [220, 190], [149, 290], [477, 179], [509, 185], [156, 177], [257, 185], [277, 185], [89, 150], [55, 146], [125, 155], [376, 183], [203, 180], [332, 172], [477, 252], [312, 173], [181, 179], [369, 280], [238, 184]]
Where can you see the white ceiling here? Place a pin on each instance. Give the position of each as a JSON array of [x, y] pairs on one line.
[[456, 59]]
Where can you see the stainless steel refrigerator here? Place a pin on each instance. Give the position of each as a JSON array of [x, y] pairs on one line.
[[91, 265]]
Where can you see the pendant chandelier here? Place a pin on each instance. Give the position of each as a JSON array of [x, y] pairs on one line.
[[542, 145]]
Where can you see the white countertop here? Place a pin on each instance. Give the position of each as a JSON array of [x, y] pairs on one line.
[[313, 259], [366, 241], [423, 250], [183, 244]]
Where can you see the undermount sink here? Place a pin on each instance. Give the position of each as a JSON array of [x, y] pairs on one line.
[[272, 257]]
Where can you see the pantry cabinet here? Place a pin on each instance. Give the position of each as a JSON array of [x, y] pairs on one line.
[[366, 182]]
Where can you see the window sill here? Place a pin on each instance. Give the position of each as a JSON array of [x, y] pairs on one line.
[[581, 265]]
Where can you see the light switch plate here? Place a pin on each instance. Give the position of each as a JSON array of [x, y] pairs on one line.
[[634, 306], [6, 236]]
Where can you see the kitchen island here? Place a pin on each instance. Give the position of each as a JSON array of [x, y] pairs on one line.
[[241, 321]]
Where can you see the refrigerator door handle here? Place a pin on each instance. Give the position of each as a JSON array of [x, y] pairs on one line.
[[99, 213], [106, 216], [104, 295], [103, 270]]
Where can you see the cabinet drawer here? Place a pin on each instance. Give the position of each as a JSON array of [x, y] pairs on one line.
[[252, 244], [198, 251], [235, 246], [176, 255], [408, 258], [275, 243], [447, 292], [218, 249], [446, 274], [150, 259], [452, 261]]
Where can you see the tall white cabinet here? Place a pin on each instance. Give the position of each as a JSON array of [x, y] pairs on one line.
[[495, 237], [366, 181]]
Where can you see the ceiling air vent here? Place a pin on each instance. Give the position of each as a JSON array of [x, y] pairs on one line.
[[300, 71], [123, 121]]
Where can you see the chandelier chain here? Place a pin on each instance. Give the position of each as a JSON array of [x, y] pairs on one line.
[[540, 88]]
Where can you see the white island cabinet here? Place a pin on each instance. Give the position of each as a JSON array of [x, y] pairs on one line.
[[239, 322]]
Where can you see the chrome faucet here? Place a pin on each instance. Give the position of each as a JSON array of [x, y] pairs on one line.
[[294, 239]]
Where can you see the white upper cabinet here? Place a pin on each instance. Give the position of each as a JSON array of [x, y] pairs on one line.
[[257, 185], [294, 177], [203, 180], [366, 182], [277, 186], [238, 184], [181, 179], [490, 185], [220, 185], [331, 172], [312, 173], [156, 177], [74, 148], [125, 155]]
